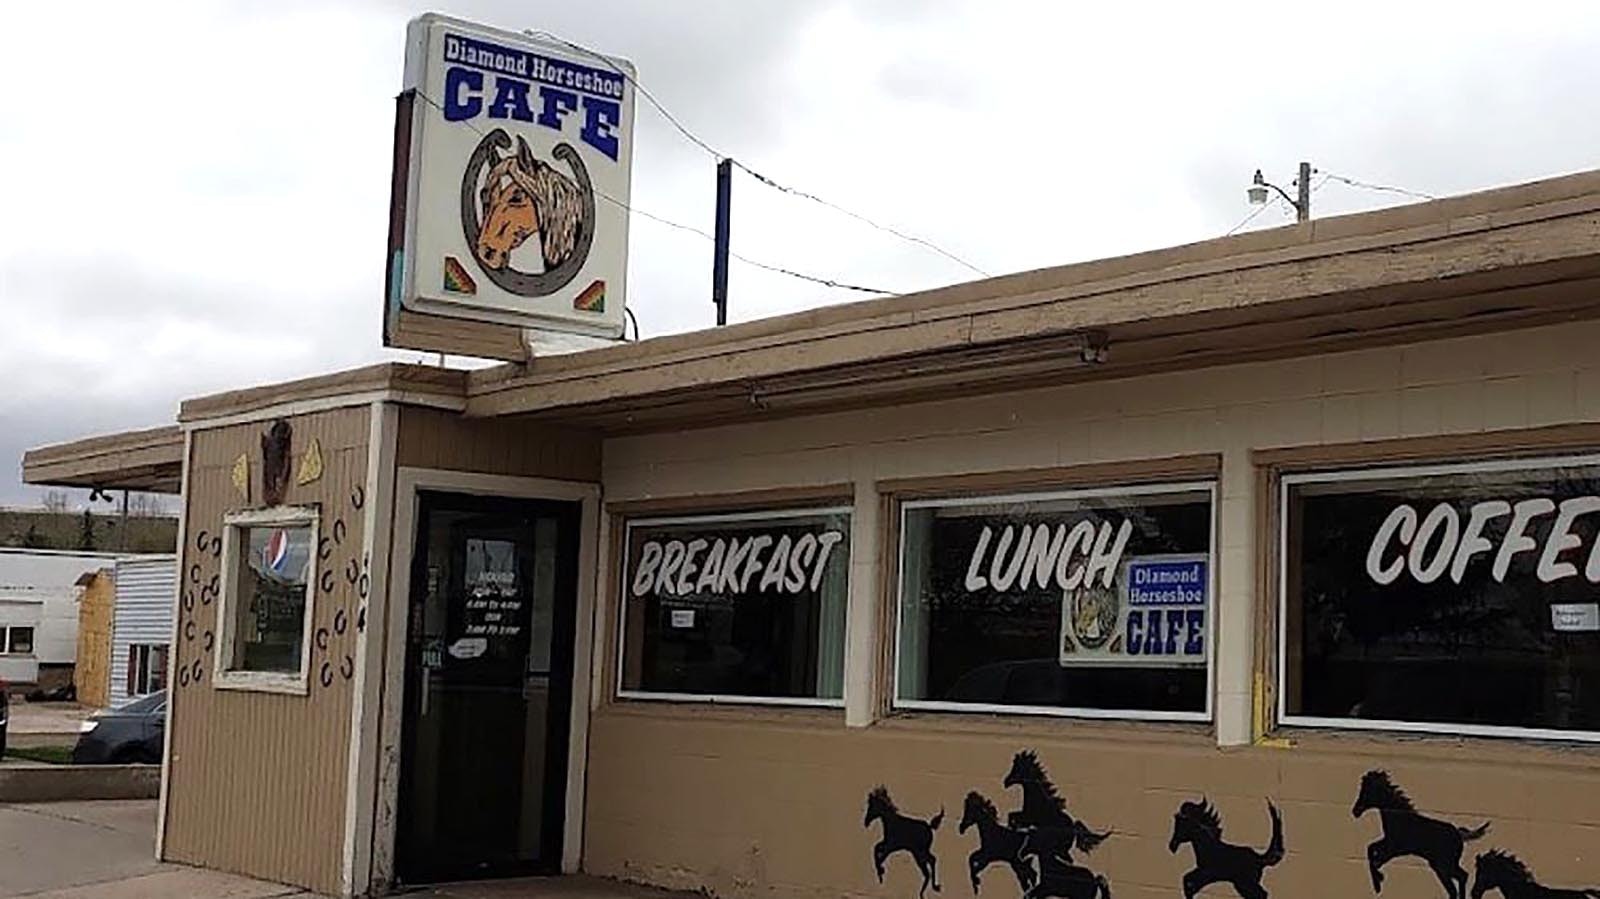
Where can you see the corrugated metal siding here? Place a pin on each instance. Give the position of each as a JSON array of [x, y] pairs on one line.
[[146, 590], [432, 438], [257, 780]]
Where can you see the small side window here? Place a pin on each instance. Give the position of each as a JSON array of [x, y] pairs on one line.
[[265, 610], [20, 641]]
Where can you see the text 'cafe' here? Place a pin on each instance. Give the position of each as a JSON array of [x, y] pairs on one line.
[[1259, 566]]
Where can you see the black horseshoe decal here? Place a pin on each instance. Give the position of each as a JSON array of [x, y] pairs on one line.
[[341, 622], [216, 547], [215, 584], [347, 667], [358, 497], [338, 531], [195, 676], [324, 549], [209, 640], [322, 639], [352, 572], [326, 675], [188, 629], [194, 574], [207, 595], [361, 619], [327, 580], [183, 676], [363, 585], [200, 541], [188, 600]]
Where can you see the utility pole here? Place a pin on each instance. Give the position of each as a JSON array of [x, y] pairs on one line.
[[719, 260], [1302, 209], [1257, 192]]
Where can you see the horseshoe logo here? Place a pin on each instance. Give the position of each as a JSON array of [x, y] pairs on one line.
[[183, 676], [188, 629], [341, 622], [200, 541], [352, 572], [347, 667], [198, 671], [338, 532], [326, 675], [216, 547], [327, 580], [194, 574], [324, 549], [322, 639], [209, 640]]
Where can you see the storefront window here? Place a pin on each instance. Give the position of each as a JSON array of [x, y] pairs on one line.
[[266, 603], [19, 641], [1457, 598], [745, 607], [1094, 603]]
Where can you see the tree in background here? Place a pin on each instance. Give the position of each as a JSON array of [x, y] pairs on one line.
[[55, 500]]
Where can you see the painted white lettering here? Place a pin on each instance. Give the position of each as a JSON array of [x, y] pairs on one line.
[[1002, 574], [1472, 540], [1517, 539], [799, 557], [1440, 516], [1561, 539], [711, 570], [665, 578], [690, 566], [825, 544], [1043, 551], [737, 551], [975, 579], [644, 575], [1402, 522], [1079, 540], [777, 564], [1104, 560], [753, 562]]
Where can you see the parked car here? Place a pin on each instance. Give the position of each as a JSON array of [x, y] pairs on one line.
[[127, 734]]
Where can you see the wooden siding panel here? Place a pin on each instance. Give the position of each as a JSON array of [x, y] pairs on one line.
[[434, 438], [258, 780]]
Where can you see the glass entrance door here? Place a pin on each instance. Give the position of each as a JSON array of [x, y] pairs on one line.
[[488, 688]]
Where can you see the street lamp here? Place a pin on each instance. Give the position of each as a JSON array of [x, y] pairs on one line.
[[1257, 192]]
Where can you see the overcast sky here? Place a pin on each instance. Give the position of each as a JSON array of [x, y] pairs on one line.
[[193, 197]]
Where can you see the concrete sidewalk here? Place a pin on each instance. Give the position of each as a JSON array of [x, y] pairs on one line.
[[106, 850]]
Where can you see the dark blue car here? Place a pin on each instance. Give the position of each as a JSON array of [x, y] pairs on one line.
[[126, 735]]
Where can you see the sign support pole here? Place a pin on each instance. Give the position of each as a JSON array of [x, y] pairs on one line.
[[719, 260]]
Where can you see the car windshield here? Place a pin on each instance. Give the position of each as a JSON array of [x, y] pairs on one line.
[[143, 704]]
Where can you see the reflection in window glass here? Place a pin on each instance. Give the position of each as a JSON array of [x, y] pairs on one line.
[[1454, 596], [20, 640], [738, 606], [1096, 600], [269, 605]]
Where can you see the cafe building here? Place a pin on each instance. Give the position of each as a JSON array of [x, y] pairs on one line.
[[1270, 562]]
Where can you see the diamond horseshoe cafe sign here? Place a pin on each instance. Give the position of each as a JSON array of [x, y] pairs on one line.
[[515, 164]]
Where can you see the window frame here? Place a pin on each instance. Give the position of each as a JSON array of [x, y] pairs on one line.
[[897, 705], [5, 640], [1373, 472], [142, 669], [225, 677], [760, 514]]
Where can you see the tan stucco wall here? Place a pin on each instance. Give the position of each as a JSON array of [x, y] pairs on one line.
[[257, 781], [91, 675], [758, 803]]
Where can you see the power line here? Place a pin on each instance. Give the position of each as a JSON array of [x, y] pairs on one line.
[[719, 156], [1414, 194], [814, 279]]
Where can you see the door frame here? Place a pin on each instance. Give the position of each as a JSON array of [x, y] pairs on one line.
[[409, 484]]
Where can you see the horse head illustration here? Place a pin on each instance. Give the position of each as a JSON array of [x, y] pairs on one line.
[[902, 833], [996, 842], [521, 195], [1199, 825], [1409, 832], [1497, 870]]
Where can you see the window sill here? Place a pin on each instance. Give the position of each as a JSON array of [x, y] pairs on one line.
[[723, 710], [990, 723], [262, 682], [1436, 747]]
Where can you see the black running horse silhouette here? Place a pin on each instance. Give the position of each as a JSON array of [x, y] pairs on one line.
[[1496, 870], [1059, 877], [903, 834], [1408, 832], [996, 842], [1044, 810], [1215, 861]]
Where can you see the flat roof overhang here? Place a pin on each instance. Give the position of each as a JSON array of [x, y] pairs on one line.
[[149, 461], [1508, 258]]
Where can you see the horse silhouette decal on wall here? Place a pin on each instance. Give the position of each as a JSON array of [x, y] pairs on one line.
[[1409, 832], [997, 843], [1496, 870], [521, 195], [1216, 861], [902, 833], [1045, 811], [1058, 876]]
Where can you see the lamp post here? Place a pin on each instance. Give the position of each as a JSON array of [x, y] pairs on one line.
[[1257, 192]]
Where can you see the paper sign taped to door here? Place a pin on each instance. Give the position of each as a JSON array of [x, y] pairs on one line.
[[469, 647]]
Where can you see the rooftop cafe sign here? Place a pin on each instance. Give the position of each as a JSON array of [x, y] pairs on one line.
[[1444, 541], [518, 171]]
